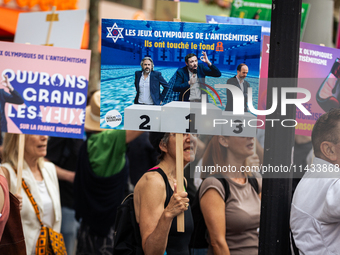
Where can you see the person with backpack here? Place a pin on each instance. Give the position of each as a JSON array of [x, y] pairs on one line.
[[231, 209], [157, 202]]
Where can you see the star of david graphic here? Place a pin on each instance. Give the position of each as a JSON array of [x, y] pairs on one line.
[[114, 32]]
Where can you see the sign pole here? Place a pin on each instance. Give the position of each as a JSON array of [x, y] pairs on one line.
[[179, 177], [21, 147], [51, 17], [21, 144], [179, 153]]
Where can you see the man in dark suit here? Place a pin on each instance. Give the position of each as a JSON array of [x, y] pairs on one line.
[[13, 97], [238, 81], [190, 79], [147, 83]]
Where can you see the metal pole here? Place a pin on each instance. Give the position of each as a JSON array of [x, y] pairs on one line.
[[279, 140]]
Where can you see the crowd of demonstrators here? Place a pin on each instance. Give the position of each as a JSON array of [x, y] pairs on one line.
[[100, 181], [232, 221], [315, 211], [157, 202], [231, 214], [41, 179]]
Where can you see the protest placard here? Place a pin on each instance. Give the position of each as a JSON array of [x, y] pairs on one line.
[[125, 43], [318, 73], [49, 89]]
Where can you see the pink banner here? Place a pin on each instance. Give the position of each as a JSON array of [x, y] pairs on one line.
[[319, 70], [43, 89]]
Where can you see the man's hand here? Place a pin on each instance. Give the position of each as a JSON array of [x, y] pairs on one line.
[[205, 59], [6, 83]]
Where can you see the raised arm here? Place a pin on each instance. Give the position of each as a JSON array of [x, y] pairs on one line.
[[213, 210], [211, 70], [154, 220]]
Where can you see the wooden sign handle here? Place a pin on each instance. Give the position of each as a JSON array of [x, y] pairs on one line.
[[20, 161], [178, 18], [50, 27], [179, 177]]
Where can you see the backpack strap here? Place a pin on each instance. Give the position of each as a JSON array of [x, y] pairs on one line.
[[251, 179], [224, 183], [253, 182], [165, 178], [167, 188], [161, 172]]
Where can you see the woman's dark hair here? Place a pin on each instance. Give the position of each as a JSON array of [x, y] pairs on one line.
[[159, 137]]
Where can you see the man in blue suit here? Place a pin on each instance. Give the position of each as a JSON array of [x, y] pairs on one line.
[[190, 79], [147, 83], [14, 98]]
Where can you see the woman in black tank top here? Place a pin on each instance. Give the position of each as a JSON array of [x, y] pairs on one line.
[[157, 202]]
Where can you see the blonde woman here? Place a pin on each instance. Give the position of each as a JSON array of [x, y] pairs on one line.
[[41, 179]]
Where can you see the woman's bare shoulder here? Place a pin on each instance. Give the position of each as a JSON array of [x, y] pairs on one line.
[[150, 181]]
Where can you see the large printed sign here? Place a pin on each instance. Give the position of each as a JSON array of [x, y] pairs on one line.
[[125, 43], [49, 89], [319, 70], [67, 28]]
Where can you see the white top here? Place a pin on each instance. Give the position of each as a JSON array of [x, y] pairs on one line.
[[48, 216], [195, 92], [144, 90], [315, 211], [30, 223]]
